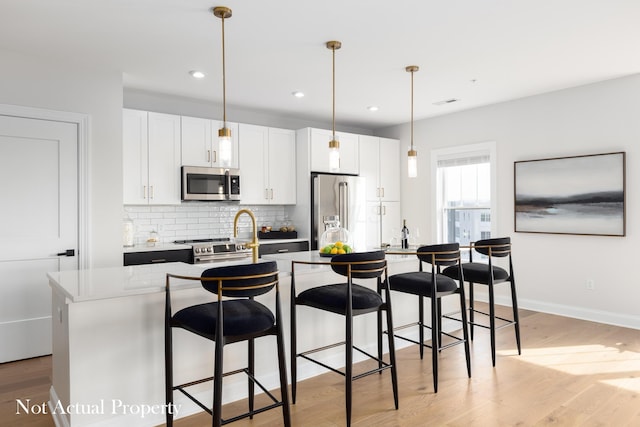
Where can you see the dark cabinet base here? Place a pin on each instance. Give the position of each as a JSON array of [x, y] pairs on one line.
[[276, 248], [154, 257]]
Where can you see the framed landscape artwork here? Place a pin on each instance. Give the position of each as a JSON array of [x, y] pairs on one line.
[[571, 195]]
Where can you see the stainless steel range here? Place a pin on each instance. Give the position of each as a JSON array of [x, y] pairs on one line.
[[216, 250]]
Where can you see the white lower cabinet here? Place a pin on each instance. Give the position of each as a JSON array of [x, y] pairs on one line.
[[390, 222], [267, 165], [151, 158], [200, 142], [383, 223]]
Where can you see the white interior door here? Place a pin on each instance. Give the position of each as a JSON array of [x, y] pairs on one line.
[[38, 222]]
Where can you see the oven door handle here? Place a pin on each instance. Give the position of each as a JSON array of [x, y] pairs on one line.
[[232, 256]]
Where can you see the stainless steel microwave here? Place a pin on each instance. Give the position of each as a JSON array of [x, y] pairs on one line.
[[202, 183]]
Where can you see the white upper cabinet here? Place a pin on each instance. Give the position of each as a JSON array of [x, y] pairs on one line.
[[390, 169], [200, 142], [282, 166], [267, 165], [319, 151], [380, 165], [151, 158], [135, 156]]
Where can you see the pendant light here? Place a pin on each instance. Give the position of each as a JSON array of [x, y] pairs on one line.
[[412, 155], [224, 133], [334, 144]]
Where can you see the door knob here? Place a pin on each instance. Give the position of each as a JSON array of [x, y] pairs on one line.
[[68, 252]]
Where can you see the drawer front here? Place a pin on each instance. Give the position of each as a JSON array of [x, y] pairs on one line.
[[154, 257], [274, 248]]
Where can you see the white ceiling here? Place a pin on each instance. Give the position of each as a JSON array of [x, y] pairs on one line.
[[479, 51]]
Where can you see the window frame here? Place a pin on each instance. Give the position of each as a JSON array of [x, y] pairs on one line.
[[461, 151]]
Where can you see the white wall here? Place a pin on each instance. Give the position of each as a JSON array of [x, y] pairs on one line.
[[551, 270], [48, 84]]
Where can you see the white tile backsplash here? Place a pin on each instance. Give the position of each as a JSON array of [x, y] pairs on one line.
[[197, 220]]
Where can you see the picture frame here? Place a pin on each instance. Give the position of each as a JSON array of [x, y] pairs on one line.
[[583, 195]]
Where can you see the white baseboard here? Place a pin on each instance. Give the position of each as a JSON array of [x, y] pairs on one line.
[[599, 316], [581, 313], [58, 419]]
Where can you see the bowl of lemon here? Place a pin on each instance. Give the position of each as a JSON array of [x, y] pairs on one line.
[[337, 248]]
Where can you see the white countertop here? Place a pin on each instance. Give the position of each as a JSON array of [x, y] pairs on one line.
[[115, 282]]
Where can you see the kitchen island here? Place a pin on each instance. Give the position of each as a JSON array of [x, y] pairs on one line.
[[108, 341]]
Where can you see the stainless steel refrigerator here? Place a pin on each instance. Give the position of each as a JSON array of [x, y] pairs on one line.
[[341, 195]]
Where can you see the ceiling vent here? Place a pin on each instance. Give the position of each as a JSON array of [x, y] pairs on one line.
[[446, 101]]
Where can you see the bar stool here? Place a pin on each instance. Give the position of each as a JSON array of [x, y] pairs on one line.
[[489, 274], [238, 318], [435, 286], [349, 300]]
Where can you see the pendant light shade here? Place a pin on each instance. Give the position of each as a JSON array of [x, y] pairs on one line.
[[334, 144], [224, 133], [412, 155]]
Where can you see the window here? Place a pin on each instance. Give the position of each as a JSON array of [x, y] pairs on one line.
[[463, 187]]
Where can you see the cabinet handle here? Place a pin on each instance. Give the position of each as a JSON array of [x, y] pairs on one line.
[[271, 191], [382, 191], [215, 156], [151, 192], [158, 260], [384, 210], [208, 156], [283, 250], [144, 192], [378, 210]]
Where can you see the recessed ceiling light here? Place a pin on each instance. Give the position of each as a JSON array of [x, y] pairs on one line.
[[298, 94], [197, 74], [372, 108]]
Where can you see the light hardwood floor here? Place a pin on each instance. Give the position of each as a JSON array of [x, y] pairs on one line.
[[571, 373]]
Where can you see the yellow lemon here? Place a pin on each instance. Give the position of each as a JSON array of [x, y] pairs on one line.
[[341, 251], [334, 251], [338, 244]]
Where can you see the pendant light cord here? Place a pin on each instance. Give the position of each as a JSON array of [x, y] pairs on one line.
[[333, 74], [412, 110], [224, 82]]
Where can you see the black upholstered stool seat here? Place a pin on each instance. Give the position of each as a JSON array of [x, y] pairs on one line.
[[420, 283], [333, 298], [241, 317], [477, 272]]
